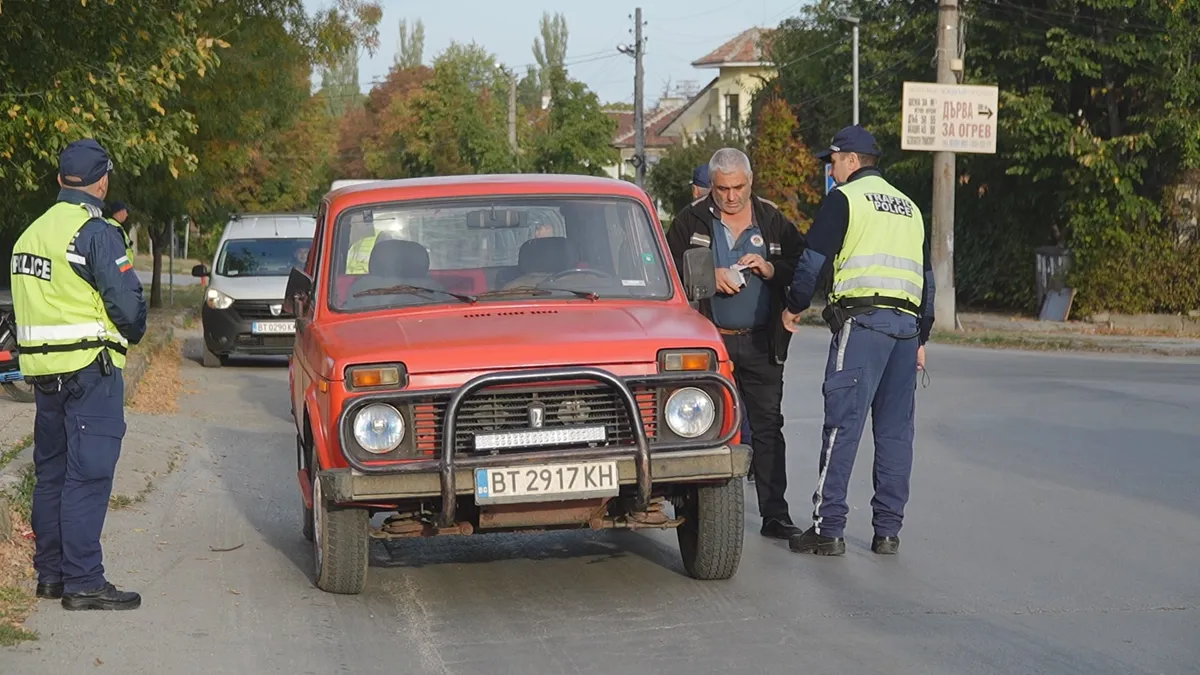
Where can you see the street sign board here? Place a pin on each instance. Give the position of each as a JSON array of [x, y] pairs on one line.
[[830, 183], [949, 117]]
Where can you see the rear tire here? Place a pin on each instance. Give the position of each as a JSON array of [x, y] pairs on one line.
[[711, 536], [341, 545], [20, 392]]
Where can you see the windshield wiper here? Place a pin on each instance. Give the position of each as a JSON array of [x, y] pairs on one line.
[[406, 288], [538, 290]]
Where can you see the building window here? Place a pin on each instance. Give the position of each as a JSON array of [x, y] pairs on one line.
[[733, 111]]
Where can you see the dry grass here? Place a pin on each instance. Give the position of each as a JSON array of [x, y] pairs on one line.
[[158, 392], [16, 583]]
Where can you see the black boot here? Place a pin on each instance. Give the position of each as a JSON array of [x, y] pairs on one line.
[[885, 545], [811, 542], [106, 597], [50, 591]]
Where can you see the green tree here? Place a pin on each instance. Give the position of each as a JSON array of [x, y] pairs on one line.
[[1099, 129], [247, 110], [412, 45], [459, 119], [94, 72], [576, 135]]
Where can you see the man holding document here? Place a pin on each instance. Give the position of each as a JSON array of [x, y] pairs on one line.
[[756, 251]]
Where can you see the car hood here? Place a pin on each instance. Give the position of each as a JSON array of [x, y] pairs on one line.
[[250, 288], [507, 337]]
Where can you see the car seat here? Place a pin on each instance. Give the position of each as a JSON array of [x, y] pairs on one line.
[[394, 262], [538, 259]]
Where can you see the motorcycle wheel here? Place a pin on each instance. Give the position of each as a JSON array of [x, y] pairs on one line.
[[20, 391]]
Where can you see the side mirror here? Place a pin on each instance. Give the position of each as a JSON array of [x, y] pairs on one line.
[[699, 274], [200, 271], [296, 296]]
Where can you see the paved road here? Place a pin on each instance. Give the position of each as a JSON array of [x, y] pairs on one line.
[[1054, 528]]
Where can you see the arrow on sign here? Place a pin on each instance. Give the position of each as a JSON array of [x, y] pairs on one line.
[[985, 111]]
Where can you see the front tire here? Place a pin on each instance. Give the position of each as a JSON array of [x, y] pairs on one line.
[[711, 536], [341, 546]]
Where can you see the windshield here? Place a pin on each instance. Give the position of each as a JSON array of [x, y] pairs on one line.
[[476, 250], [262, 257]]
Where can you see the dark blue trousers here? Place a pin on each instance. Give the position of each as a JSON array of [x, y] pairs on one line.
[[77, 437], [868, 370]]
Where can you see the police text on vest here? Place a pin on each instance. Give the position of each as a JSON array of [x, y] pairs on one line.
[[31, 265], [890, 204]]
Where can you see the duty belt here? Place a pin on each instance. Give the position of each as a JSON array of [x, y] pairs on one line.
[[74, 346]]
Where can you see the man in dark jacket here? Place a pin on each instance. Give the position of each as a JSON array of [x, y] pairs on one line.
[[756, 251]]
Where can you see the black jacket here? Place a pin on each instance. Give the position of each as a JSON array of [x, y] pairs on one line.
[[692, 228]]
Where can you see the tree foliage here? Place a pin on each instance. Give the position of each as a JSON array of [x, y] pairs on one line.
[[1099, 129], [785, 171], [575, 136], [412, 45]]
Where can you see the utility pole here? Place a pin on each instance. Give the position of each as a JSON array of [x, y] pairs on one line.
[[512, 117], [853, 20], [942, 245], [639, 126]]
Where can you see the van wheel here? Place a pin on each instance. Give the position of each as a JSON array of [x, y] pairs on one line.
[[211, 360], [341, 545], [710, 538]]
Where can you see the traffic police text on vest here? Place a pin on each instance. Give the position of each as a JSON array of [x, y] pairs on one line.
[[78, 306], [880, 309]]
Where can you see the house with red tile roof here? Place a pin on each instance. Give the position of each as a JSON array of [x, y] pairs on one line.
[[743, 66]]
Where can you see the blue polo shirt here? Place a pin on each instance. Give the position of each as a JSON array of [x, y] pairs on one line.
[[751, 306]]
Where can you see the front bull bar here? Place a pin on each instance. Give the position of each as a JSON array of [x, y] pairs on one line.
[[447, 463]]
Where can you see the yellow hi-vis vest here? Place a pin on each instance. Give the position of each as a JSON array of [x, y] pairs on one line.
[[125, 236], [358, 258], [882, 254], [61, 321]]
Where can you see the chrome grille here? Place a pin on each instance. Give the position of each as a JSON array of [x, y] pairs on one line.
[[507, 409]]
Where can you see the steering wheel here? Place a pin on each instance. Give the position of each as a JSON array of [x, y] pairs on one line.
[[576, 270]]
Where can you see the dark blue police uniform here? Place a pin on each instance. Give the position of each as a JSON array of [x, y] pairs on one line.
[[872, 363], [75, 462]]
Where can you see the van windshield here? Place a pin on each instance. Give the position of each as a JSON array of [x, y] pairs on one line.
[[496, 248], [272, 257]]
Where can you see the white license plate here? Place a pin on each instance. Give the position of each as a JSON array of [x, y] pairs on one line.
[[546, 482], [273, 327]]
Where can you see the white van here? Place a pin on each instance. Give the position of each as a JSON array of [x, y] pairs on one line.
[[242, 314]]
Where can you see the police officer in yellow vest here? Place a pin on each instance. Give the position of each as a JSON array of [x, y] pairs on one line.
[[880, 310], [120, 214], [78, 306]]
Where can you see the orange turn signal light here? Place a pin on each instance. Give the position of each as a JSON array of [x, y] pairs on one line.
[[687, 360], [375, 377]]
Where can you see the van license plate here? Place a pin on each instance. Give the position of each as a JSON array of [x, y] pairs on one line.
[[273, 327], [546, 482]]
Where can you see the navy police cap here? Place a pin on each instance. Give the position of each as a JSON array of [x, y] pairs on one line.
[[851, 139], [700, 176], [83, 162]]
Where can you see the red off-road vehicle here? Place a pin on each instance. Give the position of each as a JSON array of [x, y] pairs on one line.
[[504, 353]]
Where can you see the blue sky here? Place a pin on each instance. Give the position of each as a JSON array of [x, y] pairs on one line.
[[677, 32]]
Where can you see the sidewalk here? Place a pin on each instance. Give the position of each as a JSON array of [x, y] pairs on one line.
[[1121, 336]]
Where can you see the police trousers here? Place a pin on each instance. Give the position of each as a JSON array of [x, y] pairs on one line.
[[872, 367], [77, 436]]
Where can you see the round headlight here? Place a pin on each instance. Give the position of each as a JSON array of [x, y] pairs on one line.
[[378, 428], [690, 412]]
